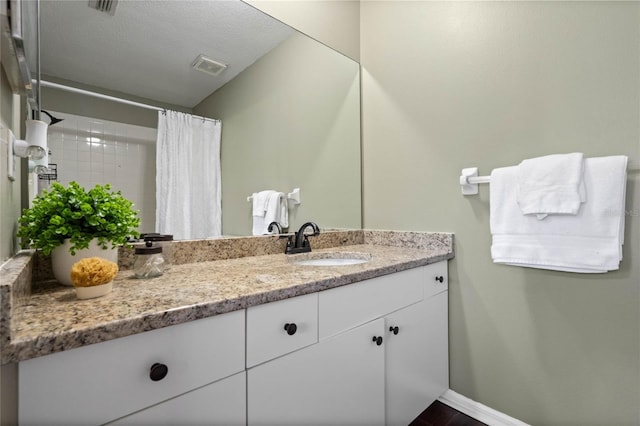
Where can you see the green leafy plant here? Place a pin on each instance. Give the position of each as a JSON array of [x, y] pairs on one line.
[[80, 215]]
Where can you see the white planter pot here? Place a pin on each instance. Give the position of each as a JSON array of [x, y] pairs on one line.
[[62, 260], [95, 291]]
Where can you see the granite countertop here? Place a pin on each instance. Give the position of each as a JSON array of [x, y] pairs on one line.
[[51, 319]]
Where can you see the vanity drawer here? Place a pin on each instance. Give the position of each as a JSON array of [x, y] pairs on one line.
[[436, 278], [220, 403], [346, 307], [267, 337], [101, 382]]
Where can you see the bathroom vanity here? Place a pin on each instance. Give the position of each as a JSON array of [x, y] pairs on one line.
[[249, 340], [380, 356]]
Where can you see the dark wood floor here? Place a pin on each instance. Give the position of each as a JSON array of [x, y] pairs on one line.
[[439, 414]]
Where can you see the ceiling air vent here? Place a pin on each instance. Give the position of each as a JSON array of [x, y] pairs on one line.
[[106, 6], [208, 65]]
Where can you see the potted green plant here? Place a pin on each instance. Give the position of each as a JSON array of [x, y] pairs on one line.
[[71, 223]]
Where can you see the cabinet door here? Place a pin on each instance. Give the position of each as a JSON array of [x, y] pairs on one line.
[[337, 381], [220, 403], [417, 358]]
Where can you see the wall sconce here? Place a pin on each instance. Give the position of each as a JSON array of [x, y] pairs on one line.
[[35, 145]]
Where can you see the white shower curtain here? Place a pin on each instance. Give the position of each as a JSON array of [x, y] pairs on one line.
[[188, 176]]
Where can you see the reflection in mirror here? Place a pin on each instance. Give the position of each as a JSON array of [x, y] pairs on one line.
[[91, 151], [290, 110]]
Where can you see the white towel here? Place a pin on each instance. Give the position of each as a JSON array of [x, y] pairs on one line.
[[552, 184], [589, 242], [259, 210], [277, 210]]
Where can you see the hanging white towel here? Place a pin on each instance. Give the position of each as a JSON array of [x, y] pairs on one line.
[[259, 210], [277, 210], [552, 184], [589, 242]]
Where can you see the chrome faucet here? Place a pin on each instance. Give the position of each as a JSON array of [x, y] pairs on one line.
[[299, 242]]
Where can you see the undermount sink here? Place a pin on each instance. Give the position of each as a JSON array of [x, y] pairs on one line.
[[329, 258]]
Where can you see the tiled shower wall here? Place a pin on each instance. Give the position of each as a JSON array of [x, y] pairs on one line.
[[92, 151]]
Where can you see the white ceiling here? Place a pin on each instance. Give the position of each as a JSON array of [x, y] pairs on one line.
[[147, 47]]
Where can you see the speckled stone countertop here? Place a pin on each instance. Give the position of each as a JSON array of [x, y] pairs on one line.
[[49, 318]]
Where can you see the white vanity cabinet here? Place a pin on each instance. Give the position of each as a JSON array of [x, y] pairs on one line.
[[363, 370], [416, 349], [99, 383], [373, 352]]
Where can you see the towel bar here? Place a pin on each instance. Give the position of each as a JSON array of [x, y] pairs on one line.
[[469, 180], [293, 197]]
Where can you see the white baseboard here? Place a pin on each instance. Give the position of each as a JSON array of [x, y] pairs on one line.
[[478, 411]]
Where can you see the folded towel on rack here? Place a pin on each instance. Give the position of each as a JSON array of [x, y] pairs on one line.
[[552, 184], [588, 242], [277, 210], [259, 210]]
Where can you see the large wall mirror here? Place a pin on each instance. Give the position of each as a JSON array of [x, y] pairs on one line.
[[289, 105]]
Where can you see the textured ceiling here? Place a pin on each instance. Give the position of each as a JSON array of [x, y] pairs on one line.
[[148, 47]]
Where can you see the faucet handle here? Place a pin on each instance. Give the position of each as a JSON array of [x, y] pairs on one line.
[[289, 249]]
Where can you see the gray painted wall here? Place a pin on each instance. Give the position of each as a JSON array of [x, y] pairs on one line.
[[9, 191], [9, 212], [291, 120], [448, 85]]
